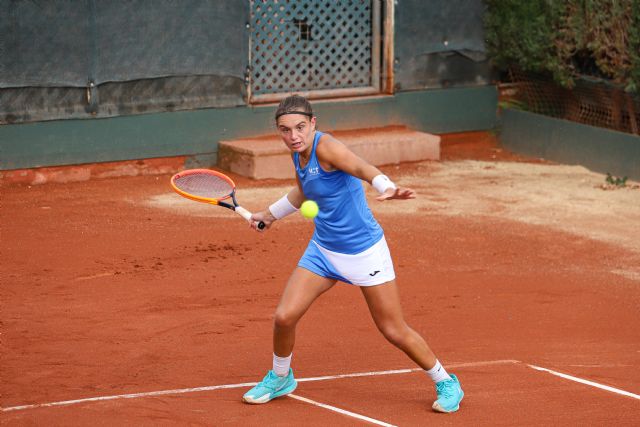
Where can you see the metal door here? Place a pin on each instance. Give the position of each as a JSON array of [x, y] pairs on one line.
[[316, 48]]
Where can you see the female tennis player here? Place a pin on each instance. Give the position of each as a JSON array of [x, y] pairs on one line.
[[348, 245]]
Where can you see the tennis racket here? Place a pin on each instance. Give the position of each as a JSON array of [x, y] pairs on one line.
[[208, 186]]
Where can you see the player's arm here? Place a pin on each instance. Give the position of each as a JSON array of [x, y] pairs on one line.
[[286, 205], [335, 155]]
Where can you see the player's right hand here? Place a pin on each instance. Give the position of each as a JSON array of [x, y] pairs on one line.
[[265, 216]]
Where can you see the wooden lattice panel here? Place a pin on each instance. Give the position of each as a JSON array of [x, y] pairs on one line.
[[310, 45]]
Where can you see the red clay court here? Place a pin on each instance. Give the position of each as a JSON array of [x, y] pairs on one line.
[[123, 305]]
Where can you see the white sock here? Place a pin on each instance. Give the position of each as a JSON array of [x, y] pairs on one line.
[[437, 373], [281, 365]]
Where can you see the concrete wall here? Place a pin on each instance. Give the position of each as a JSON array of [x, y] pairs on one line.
[[196, 133], [598, 149]]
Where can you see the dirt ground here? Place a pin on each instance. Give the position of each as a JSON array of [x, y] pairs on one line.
[[120, 286], [480, 179]]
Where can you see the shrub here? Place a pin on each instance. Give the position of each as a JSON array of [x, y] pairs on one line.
[[567, 39]]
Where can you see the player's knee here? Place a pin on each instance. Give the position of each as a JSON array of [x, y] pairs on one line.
[[285, 319], [395, 334]]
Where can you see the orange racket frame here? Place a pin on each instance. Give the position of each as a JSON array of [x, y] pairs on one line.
[[234, 206]]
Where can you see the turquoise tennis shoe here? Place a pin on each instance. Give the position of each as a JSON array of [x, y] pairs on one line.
[[450, 395], [270, 387]]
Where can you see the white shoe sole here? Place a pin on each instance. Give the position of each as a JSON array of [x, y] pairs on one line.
[[436, 407], [263, 399], [266, 398]]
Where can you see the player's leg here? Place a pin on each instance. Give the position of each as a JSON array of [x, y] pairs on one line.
[[386, 310], [301, 291]]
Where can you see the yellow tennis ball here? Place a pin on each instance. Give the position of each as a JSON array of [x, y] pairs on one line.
[[309, 209]]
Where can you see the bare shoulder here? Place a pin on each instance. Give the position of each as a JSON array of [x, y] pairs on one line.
[[328, 145], [329, 149], [334, 154]]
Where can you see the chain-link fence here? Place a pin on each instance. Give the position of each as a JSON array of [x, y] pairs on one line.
[[590, 102]]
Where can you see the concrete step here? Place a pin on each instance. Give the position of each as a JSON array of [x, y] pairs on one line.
[[268, 157]]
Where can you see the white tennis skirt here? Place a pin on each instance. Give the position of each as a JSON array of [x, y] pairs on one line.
[[371, 267]]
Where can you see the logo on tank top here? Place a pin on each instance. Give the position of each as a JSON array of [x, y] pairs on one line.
[[314, 171]]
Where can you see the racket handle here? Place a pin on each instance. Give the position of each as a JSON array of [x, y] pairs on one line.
[[247, 215]]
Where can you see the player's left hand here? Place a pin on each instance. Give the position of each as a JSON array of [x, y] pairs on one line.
[[400, 193]]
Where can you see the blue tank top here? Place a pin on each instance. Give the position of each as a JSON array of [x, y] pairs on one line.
[[345, 223]]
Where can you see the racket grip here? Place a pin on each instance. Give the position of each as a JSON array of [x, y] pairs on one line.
[[247, 215]]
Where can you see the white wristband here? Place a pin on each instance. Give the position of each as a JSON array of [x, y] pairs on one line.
[[382, 183], [282, 208]]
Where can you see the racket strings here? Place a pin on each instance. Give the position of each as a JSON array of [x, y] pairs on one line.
[[204, 185]]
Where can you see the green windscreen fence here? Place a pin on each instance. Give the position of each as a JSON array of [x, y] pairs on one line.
[[74, 43], [440, 44], [138, 53], [62, 59]]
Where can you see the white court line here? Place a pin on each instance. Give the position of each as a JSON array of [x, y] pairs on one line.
[[587, 382], [228, 386], [342, 411], [127, 396], [407, 371]]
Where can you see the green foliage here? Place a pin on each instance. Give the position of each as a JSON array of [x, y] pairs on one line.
[[520, 30], [567, 39], [634, 43], [616, 181]]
